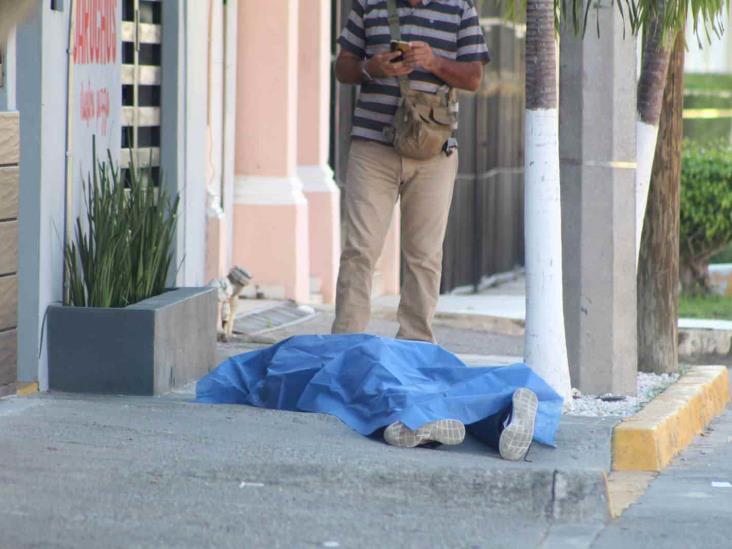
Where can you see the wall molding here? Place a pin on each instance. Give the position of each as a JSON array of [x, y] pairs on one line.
[[268, 190], [317, 178]]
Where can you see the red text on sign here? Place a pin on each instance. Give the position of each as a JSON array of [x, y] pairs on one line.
[[94, 107], [95, 36]]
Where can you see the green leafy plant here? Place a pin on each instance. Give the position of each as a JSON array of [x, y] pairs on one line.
[[706, 210], [123, 246]]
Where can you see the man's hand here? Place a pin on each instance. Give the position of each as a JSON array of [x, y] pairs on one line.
[[348, 66], [421, 54], [381, 66], [462, 75]]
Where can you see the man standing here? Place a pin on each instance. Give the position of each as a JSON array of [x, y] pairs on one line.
[[443, 49]]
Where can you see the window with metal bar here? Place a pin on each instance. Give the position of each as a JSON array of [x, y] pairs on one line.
[[141, 60]]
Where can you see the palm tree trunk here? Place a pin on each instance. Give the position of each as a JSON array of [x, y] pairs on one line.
[[651, 83], [545, 346], [658, 268]]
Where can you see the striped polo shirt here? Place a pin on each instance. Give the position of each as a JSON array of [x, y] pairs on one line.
[[450, 27]]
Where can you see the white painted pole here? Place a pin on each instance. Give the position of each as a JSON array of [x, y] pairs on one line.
[[10, 70], [214, 108], [646, 136], [545, 346], [68, 182], [229, 124]]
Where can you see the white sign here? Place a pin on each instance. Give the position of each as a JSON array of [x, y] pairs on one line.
[[97, 86]]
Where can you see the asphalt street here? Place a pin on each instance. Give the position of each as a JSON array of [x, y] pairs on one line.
[[688, 505]]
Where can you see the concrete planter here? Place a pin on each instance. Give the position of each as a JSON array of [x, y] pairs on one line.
[[147, 348]]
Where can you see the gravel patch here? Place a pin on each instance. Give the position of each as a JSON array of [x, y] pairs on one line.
[[649, 386]]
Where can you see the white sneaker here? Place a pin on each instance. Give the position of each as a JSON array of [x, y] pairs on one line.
[[518, 434], [444, 431]]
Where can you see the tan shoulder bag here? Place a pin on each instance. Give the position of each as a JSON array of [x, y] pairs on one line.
[[423, 122]]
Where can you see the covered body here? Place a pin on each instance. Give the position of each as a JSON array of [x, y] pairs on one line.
[[369, 382]]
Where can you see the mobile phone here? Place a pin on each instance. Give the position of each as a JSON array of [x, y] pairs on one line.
[[399, 45]]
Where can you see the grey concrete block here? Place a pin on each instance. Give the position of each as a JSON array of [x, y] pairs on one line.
[[148, 348], [697, 343], [597, 152], [580, 496]]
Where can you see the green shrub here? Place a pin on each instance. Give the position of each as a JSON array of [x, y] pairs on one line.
[[706, 210], [725, 256], [707, 91], [707, 81], [122, 252]]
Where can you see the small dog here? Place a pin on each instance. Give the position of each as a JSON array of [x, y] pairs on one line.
[[229, 288]]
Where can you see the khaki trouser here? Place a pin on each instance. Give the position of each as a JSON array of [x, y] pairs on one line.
[[377, 177]]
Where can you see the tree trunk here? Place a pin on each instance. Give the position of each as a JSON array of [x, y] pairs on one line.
[[658, 270], [651, 83], [545, 346]]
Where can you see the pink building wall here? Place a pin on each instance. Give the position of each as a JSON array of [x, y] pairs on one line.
[[285, 222], [270, 213], [267, 88], [320, 189]]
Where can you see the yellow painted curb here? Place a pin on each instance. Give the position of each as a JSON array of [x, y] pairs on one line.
[[26, 389], [649, 440], [624, 488]]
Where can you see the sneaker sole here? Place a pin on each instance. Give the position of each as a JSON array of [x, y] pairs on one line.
[[517, 436], [445, 431]]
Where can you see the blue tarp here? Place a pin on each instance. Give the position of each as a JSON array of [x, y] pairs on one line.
[[368, 382]]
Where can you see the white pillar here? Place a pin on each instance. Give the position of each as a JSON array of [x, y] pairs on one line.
[[271, 214], [216, 257], [313, 144]]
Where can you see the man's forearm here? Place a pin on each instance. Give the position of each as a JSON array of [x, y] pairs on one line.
[[348, 70], [459, 74]]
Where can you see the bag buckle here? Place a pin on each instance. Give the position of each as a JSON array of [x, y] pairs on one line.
[[450, 146]]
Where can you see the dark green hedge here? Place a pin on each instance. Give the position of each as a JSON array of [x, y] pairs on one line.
[[706, 209]]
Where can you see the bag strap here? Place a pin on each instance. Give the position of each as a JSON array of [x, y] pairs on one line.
[[396, 34]]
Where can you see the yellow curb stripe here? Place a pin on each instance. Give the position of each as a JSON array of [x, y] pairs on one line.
[[624, 488], [649, 440], [26, 389]]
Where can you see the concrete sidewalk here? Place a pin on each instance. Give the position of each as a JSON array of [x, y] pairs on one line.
[[477, 346], [501, 309], [507, 301], [166, 472], [149, 472]]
